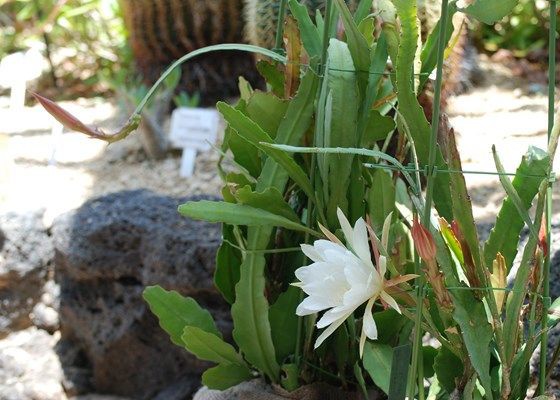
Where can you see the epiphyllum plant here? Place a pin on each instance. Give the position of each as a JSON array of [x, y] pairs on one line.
[[342, 278], [331, 90]]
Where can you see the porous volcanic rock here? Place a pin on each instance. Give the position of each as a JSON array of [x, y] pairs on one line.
[[26, 252], [106, 253]]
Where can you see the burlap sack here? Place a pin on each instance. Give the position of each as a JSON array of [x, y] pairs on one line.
[[258, 390]]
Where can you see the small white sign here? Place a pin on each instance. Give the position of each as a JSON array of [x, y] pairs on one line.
[[194, 128]]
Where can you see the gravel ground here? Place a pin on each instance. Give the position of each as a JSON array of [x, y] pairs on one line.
[[60, 172]]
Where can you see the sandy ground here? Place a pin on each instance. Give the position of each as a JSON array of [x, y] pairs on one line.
[[505, 111], [59, 172]]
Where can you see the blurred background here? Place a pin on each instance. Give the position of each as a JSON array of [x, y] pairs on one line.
[[84, 227]]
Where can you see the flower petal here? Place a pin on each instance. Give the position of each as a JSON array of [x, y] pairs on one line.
[[360, 243], [369, 328], [327, 332], [382, 265], [311, 253], [346, 227], [389, 300], [333, 315], [311, 305]]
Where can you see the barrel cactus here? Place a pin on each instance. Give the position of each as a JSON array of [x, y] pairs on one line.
[[261, 18], [160, 31]]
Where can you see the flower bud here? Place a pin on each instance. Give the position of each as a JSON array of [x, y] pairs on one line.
[[543, 238], [423, 241], [63, 116], [72, 123]]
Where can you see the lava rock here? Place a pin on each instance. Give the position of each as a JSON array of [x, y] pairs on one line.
[[106, 253], [29, 367], [26, 253]]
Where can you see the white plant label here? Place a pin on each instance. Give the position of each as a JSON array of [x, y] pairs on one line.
[[193, 129]]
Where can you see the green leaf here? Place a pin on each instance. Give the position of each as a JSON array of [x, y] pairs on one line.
[[309, 34], [378, 359], [297, 120], [409, 106], [513, 195], [237, 214], [266, 110], [209, 347], [381, 198], [175, 312], [357, 44], [521, 282], [273, 76], [399, 372], [252, 331], [253, 133], [362, 11], [490, 11], [447, 367], [246, 157], [504, 237], [389, 324], [470, 315], [377, 128], [554, 313], [341, 116], [462, 207], [429, 51], [429, 354], [367, 29], [270, 200], [284, 321], [224, 376], [228, 261], [377, 66]]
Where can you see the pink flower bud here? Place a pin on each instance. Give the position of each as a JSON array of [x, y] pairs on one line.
[[423, 241]]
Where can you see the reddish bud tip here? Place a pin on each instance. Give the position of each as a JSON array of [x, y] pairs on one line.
[[423, 241], [64, 117], [543, 238]]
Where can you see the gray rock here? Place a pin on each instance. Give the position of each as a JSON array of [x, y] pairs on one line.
[[29, 367], [107, 252], [26, 253]]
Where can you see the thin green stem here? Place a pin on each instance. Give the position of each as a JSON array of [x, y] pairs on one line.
[[417, 338], [548, 211], [280, 25], [218, 47], [326, 34], [435, 113], [416, 370]]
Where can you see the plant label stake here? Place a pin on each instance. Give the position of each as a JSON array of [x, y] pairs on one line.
[[193, 130], [15, 71]]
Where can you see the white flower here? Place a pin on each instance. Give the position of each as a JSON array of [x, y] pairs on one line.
[[342, 278]]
